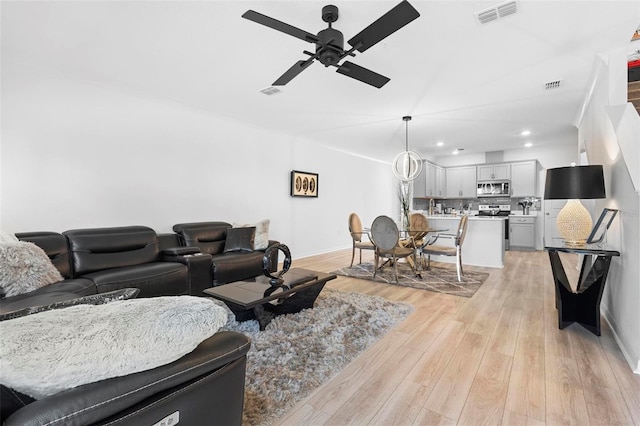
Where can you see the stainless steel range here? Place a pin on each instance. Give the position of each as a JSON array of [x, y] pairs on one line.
[[497, 210]]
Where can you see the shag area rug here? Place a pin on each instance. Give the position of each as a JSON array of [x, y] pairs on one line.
[[297, 353], [440, 280]]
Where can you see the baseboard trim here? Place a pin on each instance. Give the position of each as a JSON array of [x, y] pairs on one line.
[[634, 364]]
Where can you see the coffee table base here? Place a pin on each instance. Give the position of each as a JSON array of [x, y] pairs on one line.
[[257, 299], [265, 313]]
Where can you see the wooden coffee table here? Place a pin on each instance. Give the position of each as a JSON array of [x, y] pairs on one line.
[[253, 299]]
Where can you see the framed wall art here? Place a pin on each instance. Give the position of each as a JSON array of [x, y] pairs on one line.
[[304, 184], [600, 228]]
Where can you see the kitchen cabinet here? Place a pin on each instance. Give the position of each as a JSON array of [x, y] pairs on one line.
[[461, 182], [522, 232], [524, 176], [419, 184], [440, 180], [494, 172], [430, 181]]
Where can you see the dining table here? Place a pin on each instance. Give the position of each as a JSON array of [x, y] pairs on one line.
[[407, 240]]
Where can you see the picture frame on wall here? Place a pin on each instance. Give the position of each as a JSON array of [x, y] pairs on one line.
[[600, 228], [304, 184]]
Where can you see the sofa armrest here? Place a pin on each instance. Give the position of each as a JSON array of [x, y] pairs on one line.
[[154, 394], [178, 251], [199, 265]]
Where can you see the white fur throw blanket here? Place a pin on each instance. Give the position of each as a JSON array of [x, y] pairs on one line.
[[25, 267], [49, 352]]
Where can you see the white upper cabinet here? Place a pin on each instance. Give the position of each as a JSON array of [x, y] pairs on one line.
[[419, 184], [524, 176], [494, 172], [461, 182], [430, 182], [440, 180]]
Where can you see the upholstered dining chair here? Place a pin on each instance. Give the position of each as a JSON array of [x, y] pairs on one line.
[[384, 233], [418, 226], [430, 248], [356, 230]]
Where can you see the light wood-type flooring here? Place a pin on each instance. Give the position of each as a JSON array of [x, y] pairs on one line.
[[495, 359]]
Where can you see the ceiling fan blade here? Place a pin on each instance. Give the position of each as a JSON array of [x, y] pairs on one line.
[[296, 69], [364, 75], [280, 26], [386, 25]]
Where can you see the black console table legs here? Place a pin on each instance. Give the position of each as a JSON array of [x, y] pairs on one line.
[[583, 305]]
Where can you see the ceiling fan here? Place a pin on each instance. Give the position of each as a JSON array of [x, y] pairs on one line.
[[330, 42]]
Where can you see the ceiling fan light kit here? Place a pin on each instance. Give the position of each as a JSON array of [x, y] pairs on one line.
[[330, 42]]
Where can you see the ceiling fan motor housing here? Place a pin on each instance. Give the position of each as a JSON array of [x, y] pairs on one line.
[[329, 46], [330, 13]]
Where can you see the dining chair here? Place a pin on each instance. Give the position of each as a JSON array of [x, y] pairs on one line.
[[356, 230], [385, 236], [418, 229], [430, 248]]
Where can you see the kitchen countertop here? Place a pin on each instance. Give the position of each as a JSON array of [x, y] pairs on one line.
[[519, 213], [471, 217]]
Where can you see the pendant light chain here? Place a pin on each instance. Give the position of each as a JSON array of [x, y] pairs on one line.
[[406, 119]]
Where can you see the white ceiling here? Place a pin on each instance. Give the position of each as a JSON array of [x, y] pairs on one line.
[[472, 86]]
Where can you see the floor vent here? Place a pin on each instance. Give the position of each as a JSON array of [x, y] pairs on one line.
[[552, 85], [499, 11], [270, 90]]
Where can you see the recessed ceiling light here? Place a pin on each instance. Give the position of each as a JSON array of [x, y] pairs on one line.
[[440, 143], [528, 145], [455, 152], [526, 132]]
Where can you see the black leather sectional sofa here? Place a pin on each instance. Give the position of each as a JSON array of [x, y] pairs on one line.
[[100, 260], [205, 386]]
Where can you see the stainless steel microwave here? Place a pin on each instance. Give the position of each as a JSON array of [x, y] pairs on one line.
[[494, 188]]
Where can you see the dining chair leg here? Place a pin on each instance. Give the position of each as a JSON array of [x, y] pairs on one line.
[[417, 270], [395, 268], [353, 254], [360, 257], [459, 265], [375, 267]]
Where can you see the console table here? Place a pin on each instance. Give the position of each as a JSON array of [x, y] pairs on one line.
[[583, 305]]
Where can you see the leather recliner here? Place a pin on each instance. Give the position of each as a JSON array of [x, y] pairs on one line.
[[203, 387], [210, 238]]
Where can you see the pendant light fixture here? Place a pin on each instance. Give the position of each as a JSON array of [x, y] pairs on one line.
[[407, 165]]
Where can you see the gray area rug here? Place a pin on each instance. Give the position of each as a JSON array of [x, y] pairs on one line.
[[440, 280], [297, 353]]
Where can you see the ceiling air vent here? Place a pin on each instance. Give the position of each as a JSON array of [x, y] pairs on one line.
[[487, 16], [499, 11], [506, 9], [270, 90], [552, 85]]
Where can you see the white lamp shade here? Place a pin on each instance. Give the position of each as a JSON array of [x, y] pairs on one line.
[[407, 166]]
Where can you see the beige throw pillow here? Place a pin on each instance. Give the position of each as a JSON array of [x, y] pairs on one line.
[[261, 239], [25, 267]]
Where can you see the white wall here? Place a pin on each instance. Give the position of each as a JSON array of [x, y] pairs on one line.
[[621, 299], [76, 155]]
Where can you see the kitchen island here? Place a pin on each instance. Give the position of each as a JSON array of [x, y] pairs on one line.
[[483, 244]]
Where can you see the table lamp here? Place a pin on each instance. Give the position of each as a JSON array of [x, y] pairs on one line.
[[573, 184]]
